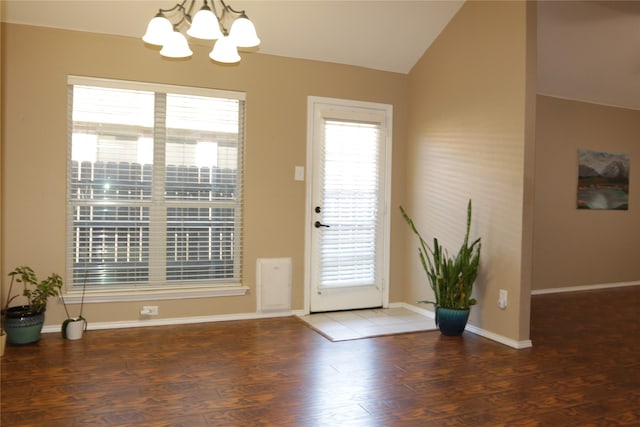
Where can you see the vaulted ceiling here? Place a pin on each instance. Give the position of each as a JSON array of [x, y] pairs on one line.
[[590, 51], [388, 35], [587, 50]]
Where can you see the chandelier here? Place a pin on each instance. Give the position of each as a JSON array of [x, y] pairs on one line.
[[229, 27]]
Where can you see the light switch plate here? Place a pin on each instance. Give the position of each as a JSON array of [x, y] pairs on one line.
[[502, 299], [299, 174]]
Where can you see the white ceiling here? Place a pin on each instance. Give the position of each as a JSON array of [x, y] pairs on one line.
[[590, 51], [587, 50], [388, 35]]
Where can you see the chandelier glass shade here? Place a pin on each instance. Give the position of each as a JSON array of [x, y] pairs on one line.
[[231, 29]]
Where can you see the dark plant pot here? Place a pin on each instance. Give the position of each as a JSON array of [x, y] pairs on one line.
[[22, 326], [452, 321]]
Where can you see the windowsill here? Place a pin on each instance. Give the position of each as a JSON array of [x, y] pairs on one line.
[[121, 295]]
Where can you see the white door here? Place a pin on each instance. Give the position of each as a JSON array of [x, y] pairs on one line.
[[349, 150]]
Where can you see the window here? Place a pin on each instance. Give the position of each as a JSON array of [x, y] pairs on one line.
[[351, 198], [154, 187]]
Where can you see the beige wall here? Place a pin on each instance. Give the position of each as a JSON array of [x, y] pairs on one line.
[[582, 247], [468, 139], [467, 106], [36, 62]]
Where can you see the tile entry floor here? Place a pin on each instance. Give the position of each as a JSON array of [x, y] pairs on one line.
[[356, 324]]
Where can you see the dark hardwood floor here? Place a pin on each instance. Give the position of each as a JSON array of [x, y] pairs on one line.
[[583, 370]]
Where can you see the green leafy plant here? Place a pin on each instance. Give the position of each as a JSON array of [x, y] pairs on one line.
[[450, 277], [37, 292]]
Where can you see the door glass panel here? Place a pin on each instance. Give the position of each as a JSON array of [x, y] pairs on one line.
[[351, 181]]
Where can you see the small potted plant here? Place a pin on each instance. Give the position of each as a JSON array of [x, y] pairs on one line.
[[74, 327], [23, 323], [451, 277]]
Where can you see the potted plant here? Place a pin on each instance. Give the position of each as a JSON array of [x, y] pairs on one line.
[[74, 327], [23, 323], [451, 277]]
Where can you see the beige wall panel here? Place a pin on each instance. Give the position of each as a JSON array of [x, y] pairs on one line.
[[575, 247], [467, 140], [36, 62]]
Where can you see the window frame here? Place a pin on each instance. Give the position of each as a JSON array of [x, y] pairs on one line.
[[156, 289]]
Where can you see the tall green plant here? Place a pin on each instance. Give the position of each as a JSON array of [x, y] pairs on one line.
[[451, 278]]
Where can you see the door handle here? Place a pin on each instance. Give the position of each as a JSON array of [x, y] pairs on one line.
[[318, 224]]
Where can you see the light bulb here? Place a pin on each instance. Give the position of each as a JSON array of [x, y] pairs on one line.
[[243, 32], [158, 30], [205, 25], [225, 50], [176, 46]]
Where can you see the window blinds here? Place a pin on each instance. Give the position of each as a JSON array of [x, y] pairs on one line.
[[155, 185], [350, 192]]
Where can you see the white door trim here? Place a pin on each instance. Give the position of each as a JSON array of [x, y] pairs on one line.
[[311, 100]]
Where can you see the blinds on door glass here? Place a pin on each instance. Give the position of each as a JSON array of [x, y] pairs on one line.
[[350, 193]]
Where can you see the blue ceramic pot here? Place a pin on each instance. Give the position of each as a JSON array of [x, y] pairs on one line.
[[452, 321], [22, 326]]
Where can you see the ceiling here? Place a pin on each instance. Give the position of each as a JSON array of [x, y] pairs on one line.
[[590, 51], [389, 35], [587, 50]]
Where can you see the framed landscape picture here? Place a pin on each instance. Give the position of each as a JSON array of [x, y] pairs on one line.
[[603, 180]]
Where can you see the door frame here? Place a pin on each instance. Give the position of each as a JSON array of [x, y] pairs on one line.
[[386, 212]]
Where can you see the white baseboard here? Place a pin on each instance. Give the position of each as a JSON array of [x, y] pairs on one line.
[[518, 345], [470, 328], [173, 321], [247, 316], [583, 288]]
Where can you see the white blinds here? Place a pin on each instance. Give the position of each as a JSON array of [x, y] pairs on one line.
[[350, 201], [155, 185]]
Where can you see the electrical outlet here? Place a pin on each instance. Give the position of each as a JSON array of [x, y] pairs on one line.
[[149, 310], [502, 299]]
